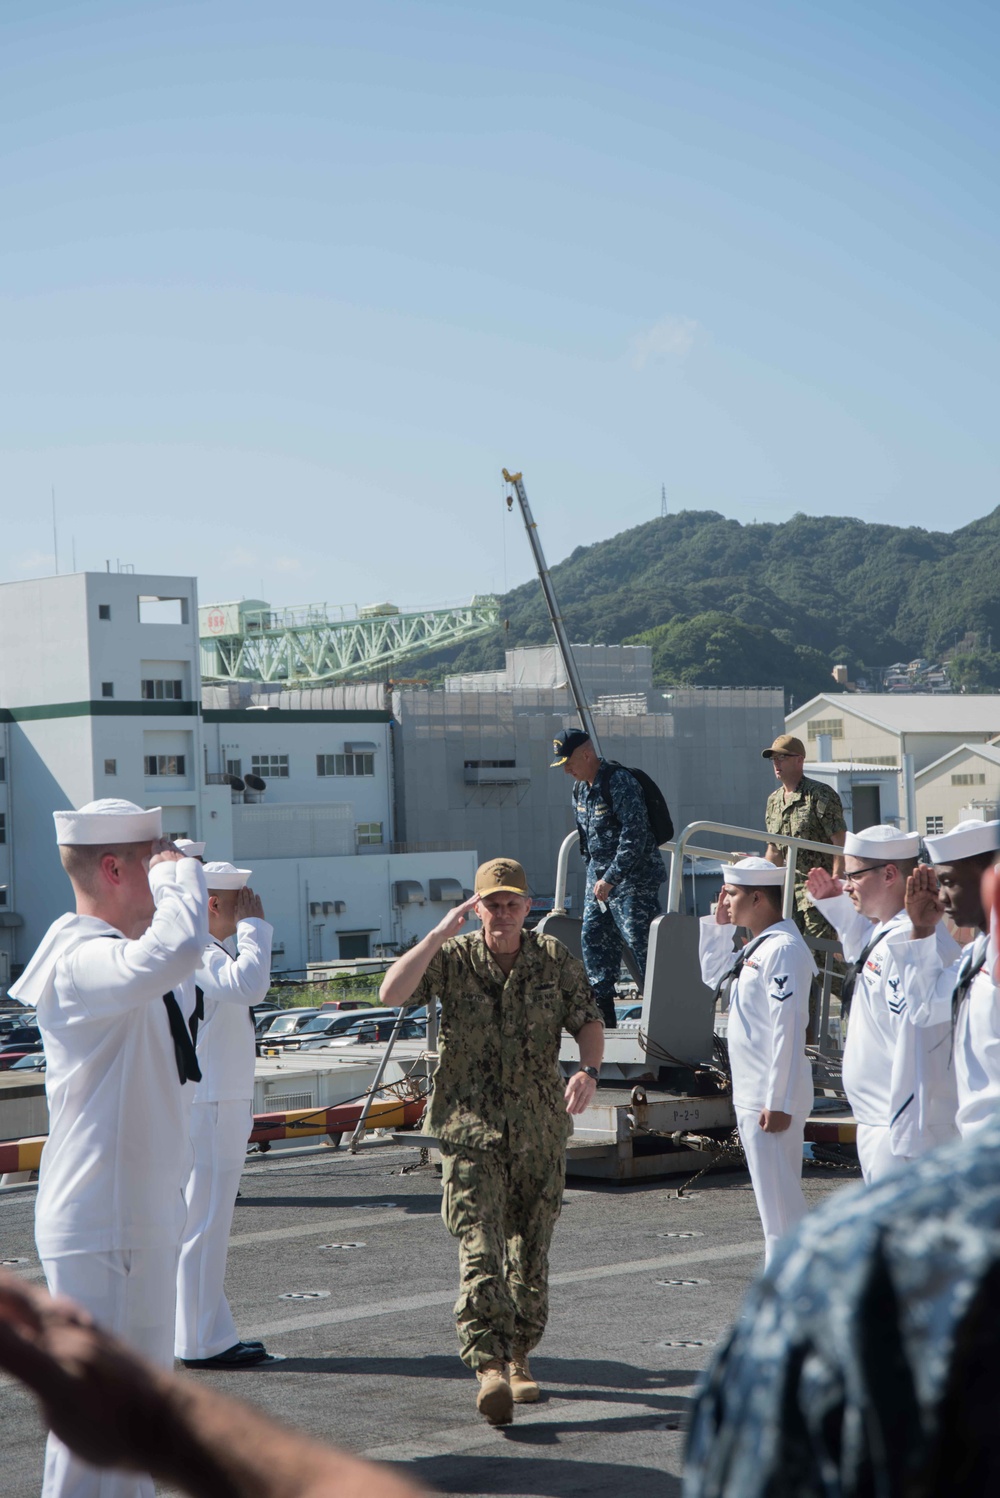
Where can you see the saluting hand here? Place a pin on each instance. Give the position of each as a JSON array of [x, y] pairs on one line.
[[822, 885], [163, 851], [923, 901], [455, 919], [249, 907]]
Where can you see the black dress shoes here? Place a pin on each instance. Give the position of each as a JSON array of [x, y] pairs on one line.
[[242, 1355]]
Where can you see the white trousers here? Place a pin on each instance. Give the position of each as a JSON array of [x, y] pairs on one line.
[[775, 1163], [875, 1153], [219, 1134], [128, 1292]]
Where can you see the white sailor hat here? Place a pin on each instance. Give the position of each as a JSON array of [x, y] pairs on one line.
[[753, 871], [882, 842], [964, 841], [188, 848], [102, 823], [225, 876]]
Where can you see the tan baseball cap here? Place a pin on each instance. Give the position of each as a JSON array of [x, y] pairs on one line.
[[785, 743], [501, 875]]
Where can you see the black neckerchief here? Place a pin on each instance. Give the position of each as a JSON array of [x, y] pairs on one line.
[[183, 1038], [854, 969], [728, 979], [968, 969]]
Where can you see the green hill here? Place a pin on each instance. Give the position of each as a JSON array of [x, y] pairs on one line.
[[725, 603]]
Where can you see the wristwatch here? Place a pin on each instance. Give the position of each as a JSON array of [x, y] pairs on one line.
[[591, 1072]]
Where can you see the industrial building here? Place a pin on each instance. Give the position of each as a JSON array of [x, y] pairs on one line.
[[474, 756], [100, 695]]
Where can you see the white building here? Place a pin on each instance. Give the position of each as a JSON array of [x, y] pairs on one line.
[[100, 695]]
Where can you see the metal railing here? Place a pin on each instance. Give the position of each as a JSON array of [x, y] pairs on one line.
[[681, 846]]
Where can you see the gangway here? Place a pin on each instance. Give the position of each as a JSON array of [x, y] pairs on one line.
[[316, 644]]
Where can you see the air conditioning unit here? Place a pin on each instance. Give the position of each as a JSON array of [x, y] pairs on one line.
[[407, 892]]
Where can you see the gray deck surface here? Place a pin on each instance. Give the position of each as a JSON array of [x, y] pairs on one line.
[[373, 1365]]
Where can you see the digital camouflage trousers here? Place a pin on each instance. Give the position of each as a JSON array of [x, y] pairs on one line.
[[502, 1207]]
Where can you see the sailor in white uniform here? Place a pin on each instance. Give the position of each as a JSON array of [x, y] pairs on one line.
[[233, 975], [113, 988], [963, 994], [897, 1075], [768, 1012]]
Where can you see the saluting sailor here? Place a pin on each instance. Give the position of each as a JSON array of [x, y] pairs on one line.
[[963, 993], [113, 988], [768, 1011], [235, 973], [897, 1075]]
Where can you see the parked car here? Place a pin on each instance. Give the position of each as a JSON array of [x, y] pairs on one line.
[[14, 1019], [283, 1026], [15, 1053], [263, 1016], [626, 1013], [375, 1032], [342, 1004], [20, 1035], [29, 1063], [325, 1026]]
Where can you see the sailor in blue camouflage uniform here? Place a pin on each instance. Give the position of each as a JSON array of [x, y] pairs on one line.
[[867, 1360], [624, 866]]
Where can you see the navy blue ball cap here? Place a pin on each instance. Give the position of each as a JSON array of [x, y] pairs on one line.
[[567, 744]]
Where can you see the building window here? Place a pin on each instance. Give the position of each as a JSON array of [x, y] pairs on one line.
[[234, 767], [968, 779], [882, 759], [933, 826], [107, 689], [3, 768], [345, 764], [162, 691], [270, 766], [833, 726], [104, 611], [3, 894], [368, 834], [164, 764], [111, 767], [3, 827], [174, 836]]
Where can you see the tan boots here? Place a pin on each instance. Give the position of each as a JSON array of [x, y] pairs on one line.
[[503, 1385], [495, 1399], [522, 1386]]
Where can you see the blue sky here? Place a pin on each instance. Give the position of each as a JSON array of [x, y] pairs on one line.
[[282, 288]]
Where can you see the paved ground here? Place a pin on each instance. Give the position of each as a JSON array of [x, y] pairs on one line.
[[372, 1363]]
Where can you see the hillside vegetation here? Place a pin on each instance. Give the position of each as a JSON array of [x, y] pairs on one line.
[[767, 605]]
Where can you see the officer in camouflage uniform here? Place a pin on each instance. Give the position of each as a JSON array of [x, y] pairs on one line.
[[806, 808], [624, 866], [500, 1112]]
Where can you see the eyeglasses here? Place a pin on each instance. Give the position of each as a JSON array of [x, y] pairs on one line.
[[776, 757], [856, 875]]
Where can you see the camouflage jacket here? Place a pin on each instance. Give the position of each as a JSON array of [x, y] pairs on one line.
[[498, 1080], [867, 1360], [814, 812], [616, 839]]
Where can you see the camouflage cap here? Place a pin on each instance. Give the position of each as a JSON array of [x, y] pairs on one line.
[[501, 874]]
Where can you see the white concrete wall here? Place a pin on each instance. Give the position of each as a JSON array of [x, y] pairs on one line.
[[365, 886]]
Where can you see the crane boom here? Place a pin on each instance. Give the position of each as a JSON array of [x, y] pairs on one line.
[[516, 482]]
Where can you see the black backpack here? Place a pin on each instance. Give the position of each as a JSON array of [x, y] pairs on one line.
[[657, 809]]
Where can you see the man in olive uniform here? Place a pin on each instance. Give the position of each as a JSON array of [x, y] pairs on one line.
[[500, 1113], [805, 808]]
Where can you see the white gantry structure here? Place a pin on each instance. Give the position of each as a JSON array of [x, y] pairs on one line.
[[317, 643]]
